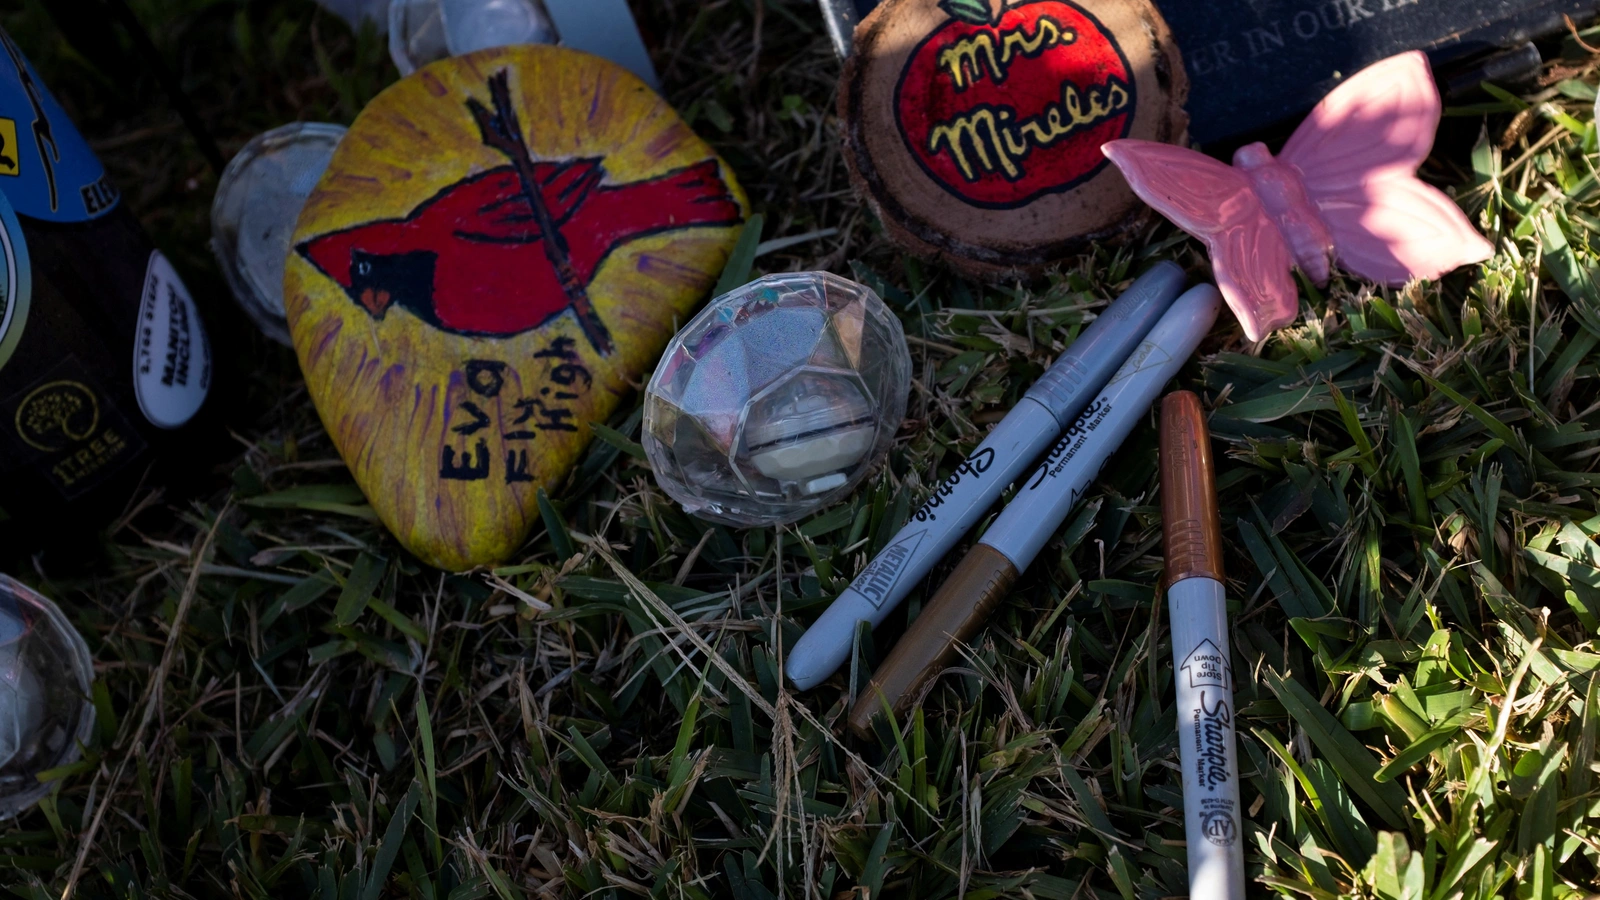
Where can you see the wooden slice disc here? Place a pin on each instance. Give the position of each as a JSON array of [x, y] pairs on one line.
[[973, 127]]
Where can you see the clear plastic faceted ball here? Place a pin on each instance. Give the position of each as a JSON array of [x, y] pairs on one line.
[[45, 713], [776, 399]]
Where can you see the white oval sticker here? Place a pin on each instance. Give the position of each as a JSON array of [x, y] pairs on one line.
[[171, 356]]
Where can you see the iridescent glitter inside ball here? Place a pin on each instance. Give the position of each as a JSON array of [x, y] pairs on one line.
[[45, 713], [776, 399]]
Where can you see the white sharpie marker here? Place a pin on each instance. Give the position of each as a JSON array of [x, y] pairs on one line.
[[1021, 530], [1037, 419], [1195, 601]]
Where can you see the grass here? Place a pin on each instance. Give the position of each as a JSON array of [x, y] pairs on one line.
[[290, 705]]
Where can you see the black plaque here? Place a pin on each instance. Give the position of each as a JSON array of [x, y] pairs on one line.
[[1257, 63]]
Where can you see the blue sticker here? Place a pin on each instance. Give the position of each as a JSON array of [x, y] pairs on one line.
[[47, 170], [16, 282]]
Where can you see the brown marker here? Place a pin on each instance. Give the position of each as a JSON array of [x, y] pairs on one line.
[[1043, 501], [1196, 603], [1190, 529], [954, 614]]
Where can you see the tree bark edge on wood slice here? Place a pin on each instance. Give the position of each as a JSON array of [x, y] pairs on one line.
[[973, 127]]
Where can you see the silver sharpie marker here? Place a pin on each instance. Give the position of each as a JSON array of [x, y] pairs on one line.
[[1192, 535], [984, 576], [1048, 407]]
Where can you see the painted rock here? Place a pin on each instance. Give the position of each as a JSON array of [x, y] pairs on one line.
[[497, 253], [973, 127]]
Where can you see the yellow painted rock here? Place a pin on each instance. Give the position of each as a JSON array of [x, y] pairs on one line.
[[503, 242]]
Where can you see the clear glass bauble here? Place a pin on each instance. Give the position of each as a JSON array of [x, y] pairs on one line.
[[777, 399], [45, 711]]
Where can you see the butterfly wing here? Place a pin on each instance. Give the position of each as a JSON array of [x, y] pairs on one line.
[[1379, 122], [1252, 264], [1215, 203], [1357, 155], [1400, 229]]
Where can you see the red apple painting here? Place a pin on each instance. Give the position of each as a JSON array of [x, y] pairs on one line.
[[1003, 106], [973, 127]]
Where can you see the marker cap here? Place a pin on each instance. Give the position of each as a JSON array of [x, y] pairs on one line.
[[1190, 528], [1065, 386], [954, 614]]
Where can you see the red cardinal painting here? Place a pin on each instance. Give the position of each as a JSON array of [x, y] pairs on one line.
[[498, 251], [473, 259]]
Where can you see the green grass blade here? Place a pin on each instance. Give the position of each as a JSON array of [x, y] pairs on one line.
[[737, 271], [1354, 762]]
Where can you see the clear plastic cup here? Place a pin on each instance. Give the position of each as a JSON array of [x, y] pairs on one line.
[[45, 711], [258, 202], [416, 34], [421, 31], [480, 24]]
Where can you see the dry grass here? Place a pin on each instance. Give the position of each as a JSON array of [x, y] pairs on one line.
[[289, 705]]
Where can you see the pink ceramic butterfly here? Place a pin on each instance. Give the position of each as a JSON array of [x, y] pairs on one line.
[[1344, 188]]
